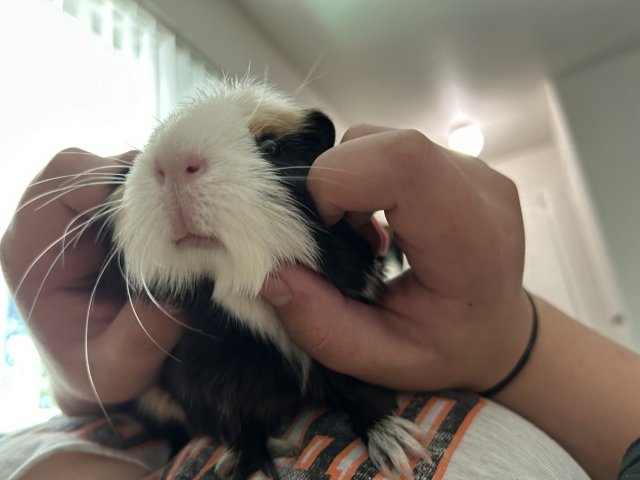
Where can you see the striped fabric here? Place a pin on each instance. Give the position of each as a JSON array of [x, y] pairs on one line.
[[469, 437], [330, 450]]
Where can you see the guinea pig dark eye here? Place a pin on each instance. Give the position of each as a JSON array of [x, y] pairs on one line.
[[269, 147]]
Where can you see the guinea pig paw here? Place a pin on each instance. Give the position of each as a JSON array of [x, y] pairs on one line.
[[279, 448], [393, 441], [227, 463]]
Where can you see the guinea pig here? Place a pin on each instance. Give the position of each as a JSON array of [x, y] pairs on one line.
[[214, 204]]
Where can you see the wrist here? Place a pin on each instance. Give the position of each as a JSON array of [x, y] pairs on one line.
[[524, 358], [509, 340]]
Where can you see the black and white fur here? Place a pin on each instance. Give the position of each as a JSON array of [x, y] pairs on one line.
[[227, 173]]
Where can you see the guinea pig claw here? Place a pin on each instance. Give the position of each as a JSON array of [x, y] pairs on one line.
[[392, 442]]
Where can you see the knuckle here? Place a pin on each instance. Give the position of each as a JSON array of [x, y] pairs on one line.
[[362, 130], [414, 144], [412, 153], [61, 163], [509, 188], [502, 185], [513, 193], [322, 345], [356, 131]]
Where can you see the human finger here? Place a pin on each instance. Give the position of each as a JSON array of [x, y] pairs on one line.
[[127, 357], [362, 130], [52, 218], [431, 205], [348, 336]]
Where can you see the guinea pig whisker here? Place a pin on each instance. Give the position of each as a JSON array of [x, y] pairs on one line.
[[89, 221], [120, 160], [103, 213], [44, 279], [75, 175], [316, 226], [43, 195], [49, 247], [308, 82], [115, 159], [318, 167], [72, 188], [74, 241], [258, 105], [308, 79], [345, 172], [164, 311], [308, 167], [100, 168], [86, 334], [144, 329], [64, 190], [331, 169], [133, 147], [300, 167], [296, 178], [75, 236], [108, 212], [304, 179], [95, 176], [81, 182]]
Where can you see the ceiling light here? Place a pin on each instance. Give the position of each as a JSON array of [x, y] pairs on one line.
[[467, 138]]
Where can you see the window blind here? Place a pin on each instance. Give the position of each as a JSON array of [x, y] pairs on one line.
[[110, 68], [173, 67]]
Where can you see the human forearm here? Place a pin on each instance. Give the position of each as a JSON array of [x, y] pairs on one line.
[[579, 387]]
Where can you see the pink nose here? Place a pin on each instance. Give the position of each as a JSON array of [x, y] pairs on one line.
[[182, 170]]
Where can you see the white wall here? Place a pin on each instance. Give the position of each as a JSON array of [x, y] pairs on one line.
[[559, 263], [601, 103]]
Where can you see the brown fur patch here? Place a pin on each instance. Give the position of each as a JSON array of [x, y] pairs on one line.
[[275, 122]]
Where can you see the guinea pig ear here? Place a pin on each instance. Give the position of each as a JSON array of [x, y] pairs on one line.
[[321, 129]]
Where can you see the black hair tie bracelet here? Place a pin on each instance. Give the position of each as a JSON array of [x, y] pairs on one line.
[[523, 359]]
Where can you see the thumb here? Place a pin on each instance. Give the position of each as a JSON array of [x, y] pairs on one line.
[[127, 357], [339, 332]]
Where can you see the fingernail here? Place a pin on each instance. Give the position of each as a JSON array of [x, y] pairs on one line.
[[277, 292]]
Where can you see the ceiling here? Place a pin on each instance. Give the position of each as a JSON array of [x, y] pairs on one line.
[[426, 64]]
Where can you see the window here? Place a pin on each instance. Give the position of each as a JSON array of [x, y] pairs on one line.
[[95, 74]]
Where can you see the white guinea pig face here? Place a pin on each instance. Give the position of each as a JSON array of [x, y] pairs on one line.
[[211, 196]]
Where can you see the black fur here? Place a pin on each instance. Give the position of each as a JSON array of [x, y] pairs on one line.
[[235, 387], [347, 259]]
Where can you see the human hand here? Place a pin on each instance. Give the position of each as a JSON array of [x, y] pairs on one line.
[[459, 316], [53, 294]]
